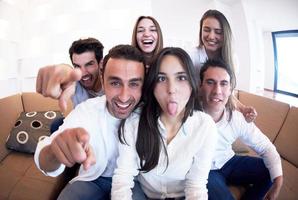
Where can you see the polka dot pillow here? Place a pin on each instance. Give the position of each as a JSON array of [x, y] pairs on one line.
[[30, 128]]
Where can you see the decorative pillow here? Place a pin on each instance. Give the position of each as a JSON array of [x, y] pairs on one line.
[[30, 128]]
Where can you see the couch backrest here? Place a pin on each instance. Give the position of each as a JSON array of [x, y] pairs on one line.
[[10, 108], [287, 139], [36, 102], [271, 113]]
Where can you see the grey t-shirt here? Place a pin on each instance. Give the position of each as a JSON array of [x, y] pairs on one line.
[[81, 94]]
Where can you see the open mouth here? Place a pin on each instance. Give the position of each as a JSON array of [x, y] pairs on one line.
[[215, 100], [86, 78], [147, 42], [123, 106], [212, 43]]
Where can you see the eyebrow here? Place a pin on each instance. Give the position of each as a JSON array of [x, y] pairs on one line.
[[152, 26], [219, 29], [130, 80], [211, 79], [135, 79], [113, 78], [89, 62], [178, 73]]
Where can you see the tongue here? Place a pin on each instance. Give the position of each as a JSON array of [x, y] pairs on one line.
[[172, 108]]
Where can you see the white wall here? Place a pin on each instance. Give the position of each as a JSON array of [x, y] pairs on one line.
[[10, 23], [34, 33], [47, 28], [262, 18]]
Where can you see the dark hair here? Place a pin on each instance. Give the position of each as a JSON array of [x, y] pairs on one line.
[[159, 45], [127, 52], [221, 64], [85, 45], [226, 49], [149, 140]]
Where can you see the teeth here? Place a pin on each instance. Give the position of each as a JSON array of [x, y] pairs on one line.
[[123, 106], [215, 100], [85, 78], [212, 43], [147, 41]]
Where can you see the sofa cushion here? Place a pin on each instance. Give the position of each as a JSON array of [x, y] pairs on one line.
[[12, 169], [10, 108], [8, 180], [33, 101], [271, 113], [34, 189], [30, 128], [286, 141], [20, 179], [289, 188]]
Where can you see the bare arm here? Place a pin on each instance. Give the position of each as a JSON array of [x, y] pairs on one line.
[[273, 192], [249, 112]]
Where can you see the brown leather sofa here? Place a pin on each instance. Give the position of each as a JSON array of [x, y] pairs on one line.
[[19, 177], [279, 121]]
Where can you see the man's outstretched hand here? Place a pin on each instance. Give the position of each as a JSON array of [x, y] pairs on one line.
[[58, 82], [72, 146]]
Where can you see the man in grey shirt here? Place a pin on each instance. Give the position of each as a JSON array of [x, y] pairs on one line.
[[81, 83]]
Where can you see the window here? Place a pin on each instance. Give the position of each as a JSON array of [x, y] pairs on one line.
[[285, 44]]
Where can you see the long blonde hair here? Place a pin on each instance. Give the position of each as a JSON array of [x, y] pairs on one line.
[[226, 49]]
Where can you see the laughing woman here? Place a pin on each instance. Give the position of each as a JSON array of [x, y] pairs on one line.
[[170, 144], [147, 37]]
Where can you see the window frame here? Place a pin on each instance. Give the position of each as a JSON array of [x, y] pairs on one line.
[[279, 34]]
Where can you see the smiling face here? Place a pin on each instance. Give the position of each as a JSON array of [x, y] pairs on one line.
[[212, 35], [215, 90], [122, 82], [172, 90], [89, 66], [147, 36]]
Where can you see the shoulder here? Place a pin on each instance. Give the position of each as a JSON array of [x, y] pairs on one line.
[[198, 56], [199, 115], [238, 117], [239, 125], [92, 105], [193, 52], [134, 117], [201, 127], [200, 120]]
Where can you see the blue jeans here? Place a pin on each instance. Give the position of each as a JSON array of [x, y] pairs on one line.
[[99, 189], [240, 170], [55, 124]]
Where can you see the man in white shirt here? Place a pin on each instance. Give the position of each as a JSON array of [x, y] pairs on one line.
[[263, 174], [88, 135]]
